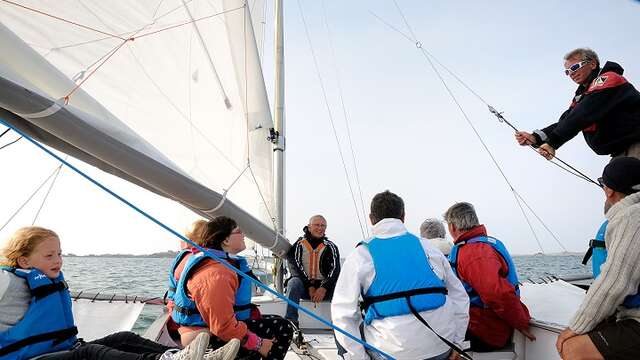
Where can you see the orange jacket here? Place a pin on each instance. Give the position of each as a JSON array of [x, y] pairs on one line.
[[213, 288]]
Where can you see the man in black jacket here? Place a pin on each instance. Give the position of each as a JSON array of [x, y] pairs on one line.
[[314, 264], [605, 107]]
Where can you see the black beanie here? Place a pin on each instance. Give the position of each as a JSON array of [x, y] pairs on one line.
[[622, 175]]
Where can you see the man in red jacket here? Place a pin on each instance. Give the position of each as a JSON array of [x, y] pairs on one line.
[[487, 271]]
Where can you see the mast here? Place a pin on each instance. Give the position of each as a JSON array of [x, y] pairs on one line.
[[278, 137]]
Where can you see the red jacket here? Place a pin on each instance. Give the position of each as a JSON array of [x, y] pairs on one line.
[[485, 270]]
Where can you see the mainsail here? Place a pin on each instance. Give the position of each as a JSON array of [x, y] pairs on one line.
[[168, 95]]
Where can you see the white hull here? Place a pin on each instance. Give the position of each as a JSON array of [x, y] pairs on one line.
[[320, 342]]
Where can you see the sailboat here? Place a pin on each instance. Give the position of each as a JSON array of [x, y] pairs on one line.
[[170, 96]]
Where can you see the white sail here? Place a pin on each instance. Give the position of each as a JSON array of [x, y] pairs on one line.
[[176, 84]]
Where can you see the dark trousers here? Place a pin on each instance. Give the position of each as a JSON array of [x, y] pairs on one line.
[[267, 327], [296, 291], [476, 344], [119, 346]]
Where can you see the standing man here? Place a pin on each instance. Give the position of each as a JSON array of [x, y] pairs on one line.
[[314, 264], [605, 107], [433, 230], [397, 273], [607, 324], [489, 276]]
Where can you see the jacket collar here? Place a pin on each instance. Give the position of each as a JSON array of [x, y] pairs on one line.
[[479, 230], [622, 205], [389, 227]]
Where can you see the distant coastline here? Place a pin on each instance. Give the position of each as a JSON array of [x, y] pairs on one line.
[[173, 254], [164, 254]]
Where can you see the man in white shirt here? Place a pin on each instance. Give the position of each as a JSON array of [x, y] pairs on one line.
[[385, 268]]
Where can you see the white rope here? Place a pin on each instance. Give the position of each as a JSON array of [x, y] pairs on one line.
[[224, 193]]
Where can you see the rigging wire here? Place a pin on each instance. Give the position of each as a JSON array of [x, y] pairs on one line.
[[64, 20], [102, 60], [344, 113], [418, 45], [568, 168], [204, 250], [571, 170], [10, 143], [4, 132], [55, 171], [122, 34], [46, 196], [330, 115]]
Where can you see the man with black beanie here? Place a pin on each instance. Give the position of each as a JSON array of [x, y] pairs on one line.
[[607, 324]]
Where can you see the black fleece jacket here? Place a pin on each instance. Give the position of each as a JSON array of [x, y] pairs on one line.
[[607, 111], [329, 262]]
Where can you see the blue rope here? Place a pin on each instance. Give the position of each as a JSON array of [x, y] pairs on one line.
[[204, 250]]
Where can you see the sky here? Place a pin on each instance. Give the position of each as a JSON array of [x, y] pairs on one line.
[[408, 135]]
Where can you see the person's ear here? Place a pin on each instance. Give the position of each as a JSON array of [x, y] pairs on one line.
[[608, 192], [23, 262]]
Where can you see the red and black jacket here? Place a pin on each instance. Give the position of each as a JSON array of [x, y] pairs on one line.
[[607, 112]]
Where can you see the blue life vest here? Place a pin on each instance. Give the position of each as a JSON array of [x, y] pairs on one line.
[[403, 274], [598, 252], [498, 246], [185, 311], [47, 326], [172, 270]]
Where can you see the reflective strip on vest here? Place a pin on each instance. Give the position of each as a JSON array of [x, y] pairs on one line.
[[314, 259], [47, 326], [402, 273]]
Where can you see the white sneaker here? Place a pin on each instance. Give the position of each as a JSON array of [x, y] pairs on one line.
[[227, 352], [195, 350]]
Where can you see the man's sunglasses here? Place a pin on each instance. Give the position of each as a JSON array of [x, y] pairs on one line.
[[575, 67]]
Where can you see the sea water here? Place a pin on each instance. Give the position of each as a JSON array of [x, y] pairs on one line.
[[147, 277]]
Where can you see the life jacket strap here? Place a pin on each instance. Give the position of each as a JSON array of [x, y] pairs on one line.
[[453, 346], [370, 300], [593, 243], [243, 307], [46, 290], [186, 311], [58, 336]]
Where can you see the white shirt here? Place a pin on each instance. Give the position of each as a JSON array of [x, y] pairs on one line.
[[402, 337], [442, 244]]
